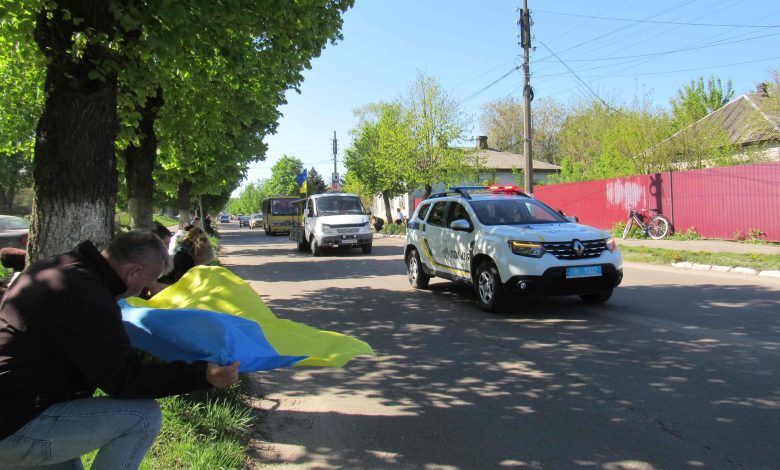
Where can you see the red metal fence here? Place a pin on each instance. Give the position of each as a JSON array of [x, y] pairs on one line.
[[716, 202]]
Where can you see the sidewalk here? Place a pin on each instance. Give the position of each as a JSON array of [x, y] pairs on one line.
[[714, 246]]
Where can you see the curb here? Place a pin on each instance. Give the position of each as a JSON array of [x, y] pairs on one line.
[[727, 269]]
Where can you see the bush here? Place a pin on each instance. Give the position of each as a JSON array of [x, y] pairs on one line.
[[394, 229], [690, 234]]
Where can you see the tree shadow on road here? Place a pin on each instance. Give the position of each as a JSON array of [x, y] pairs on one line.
[[454, 386]]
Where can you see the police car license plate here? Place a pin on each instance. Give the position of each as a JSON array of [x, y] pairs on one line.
[[583, 271], [348, 241]]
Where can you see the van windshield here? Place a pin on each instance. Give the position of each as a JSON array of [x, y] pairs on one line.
[[339, 205]]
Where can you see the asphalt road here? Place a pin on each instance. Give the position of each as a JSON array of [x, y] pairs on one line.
[[679, 370]]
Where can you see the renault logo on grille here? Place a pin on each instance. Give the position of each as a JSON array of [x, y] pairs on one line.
[[578, 248]]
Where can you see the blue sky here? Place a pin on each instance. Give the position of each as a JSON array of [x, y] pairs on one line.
[[468, 45]]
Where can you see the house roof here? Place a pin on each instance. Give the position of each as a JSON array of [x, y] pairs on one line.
[[497, 160], [745, 120]]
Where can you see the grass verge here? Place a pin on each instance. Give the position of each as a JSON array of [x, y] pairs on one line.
[[642, 254], [201, 430]]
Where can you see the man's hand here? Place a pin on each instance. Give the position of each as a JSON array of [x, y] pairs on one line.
[[222, 376]]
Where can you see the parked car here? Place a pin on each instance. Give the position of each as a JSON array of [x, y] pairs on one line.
[[224, 219], [243, 220], [505, 243], [13, 231], [256, 220]]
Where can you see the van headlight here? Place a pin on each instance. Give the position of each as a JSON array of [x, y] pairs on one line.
[[534, 250], [327, 229]]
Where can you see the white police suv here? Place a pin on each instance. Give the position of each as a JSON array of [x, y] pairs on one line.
[[504, 242]]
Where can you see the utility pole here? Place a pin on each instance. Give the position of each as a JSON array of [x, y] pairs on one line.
[[335, 179], [525, 42]]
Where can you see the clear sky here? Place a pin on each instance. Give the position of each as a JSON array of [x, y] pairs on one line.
[[619, 48]]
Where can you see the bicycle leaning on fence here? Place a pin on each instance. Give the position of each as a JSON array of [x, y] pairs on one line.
[[656, 227]]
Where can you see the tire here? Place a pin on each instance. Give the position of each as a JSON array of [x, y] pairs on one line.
[[658, 227], [490, 293], [366, 249], [303, 246], [597, 298], [414, 270], [628, 227], [316, 249]]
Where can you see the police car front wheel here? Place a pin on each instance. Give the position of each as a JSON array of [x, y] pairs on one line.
[[488, 286], [417, 277]]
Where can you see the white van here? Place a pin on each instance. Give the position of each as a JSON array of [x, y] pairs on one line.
[[332, 220]]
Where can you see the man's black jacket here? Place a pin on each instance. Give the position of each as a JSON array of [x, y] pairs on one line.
[[61, 337]]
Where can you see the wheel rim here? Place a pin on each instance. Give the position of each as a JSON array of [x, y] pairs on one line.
[[657, 229], [413, 268], [486, 287]]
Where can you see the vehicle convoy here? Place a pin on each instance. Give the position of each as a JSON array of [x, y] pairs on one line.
[[332, 220], [506, 243], [279, 214]]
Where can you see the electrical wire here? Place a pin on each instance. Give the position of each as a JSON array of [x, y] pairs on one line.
[[659, 22]]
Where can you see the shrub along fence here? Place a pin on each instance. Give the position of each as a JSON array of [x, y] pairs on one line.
[[728, 203]]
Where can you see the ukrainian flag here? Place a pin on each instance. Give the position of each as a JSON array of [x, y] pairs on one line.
[[302, 179], [211, 314]]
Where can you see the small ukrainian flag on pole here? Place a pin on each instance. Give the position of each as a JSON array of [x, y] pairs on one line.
[[301, 180]]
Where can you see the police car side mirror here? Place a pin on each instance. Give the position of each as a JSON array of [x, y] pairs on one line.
[[461, 225]]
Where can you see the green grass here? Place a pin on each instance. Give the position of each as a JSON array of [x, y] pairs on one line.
[[201, 430], [642, 254]]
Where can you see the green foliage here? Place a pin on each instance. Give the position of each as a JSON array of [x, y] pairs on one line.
[[503, 121], [436, 121], [250, 200], [394, 229], [688, 234], [697, 99], [314, 182], [382, 150], [284, 174]]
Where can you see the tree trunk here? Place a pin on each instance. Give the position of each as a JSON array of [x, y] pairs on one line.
[[428, 191], [7, 200], [183, 201], [388, 209], [74, 170], [139, 164]]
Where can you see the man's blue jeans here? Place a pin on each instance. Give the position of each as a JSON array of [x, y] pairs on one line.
[[123, 430]]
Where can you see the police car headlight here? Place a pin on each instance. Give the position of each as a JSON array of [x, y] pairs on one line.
[[534, 250], [611, 244]]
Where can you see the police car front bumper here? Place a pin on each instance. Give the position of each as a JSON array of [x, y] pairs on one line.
[[554, 281]]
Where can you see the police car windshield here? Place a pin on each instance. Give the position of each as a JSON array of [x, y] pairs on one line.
[[339, 205], [514, 211]]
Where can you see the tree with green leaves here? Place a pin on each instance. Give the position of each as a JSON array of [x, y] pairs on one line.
[[436, 122], [21, 78], [314, 183], [284, 174], [382, 151], [91, 48], [502, 120], [698, 99]]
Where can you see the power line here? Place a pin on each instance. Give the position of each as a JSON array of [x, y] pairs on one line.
[[473, 95], [659, 22], [583, 82]]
